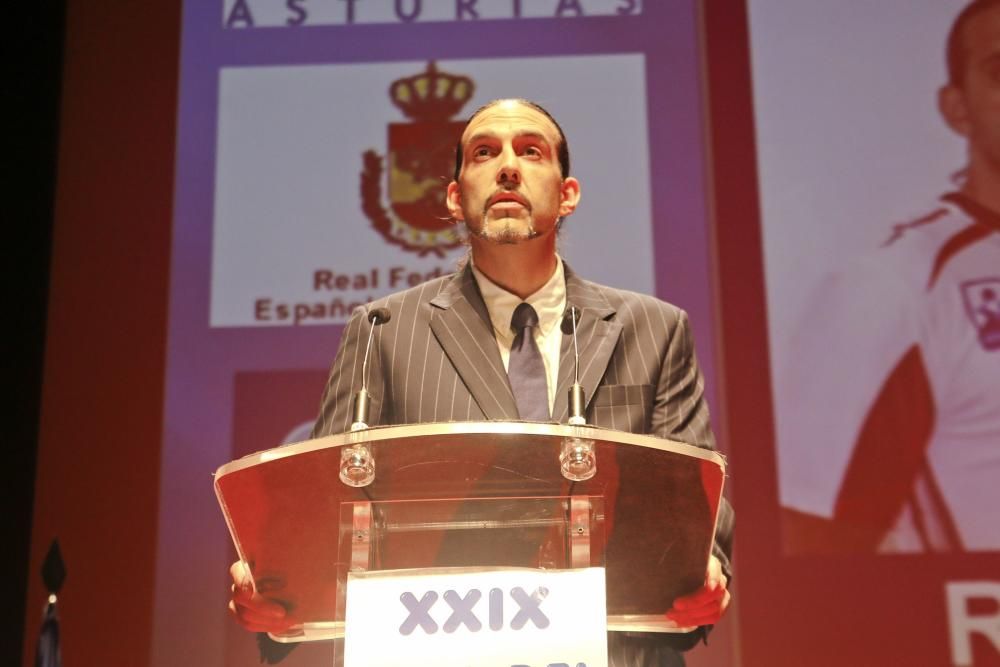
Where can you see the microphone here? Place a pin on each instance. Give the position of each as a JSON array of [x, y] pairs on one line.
[[577, 455], [571, 316], [577, 398], [377, 317]]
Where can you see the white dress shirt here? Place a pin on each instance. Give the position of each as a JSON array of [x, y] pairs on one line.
[[549, 302]]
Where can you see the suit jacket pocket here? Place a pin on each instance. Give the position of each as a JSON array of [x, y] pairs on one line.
[[624, 407]]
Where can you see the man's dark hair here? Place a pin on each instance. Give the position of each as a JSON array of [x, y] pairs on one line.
[[562, 150], [956, 51]]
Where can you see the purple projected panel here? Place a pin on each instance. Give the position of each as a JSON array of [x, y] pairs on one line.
[[297, 198]]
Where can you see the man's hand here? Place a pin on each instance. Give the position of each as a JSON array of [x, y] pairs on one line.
[[251, 609], [707, 604]]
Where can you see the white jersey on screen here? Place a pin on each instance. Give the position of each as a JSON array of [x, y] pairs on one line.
[[890, 411]]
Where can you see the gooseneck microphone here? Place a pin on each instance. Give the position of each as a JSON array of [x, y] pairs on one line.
[[377, 317], [577, 398]]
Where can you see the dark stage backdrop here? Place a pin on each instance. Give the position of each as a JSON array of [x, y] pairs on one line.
[[235, 176]]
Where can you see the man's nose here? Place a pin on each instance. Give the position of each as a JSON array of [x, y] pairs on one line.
[[508, 172]]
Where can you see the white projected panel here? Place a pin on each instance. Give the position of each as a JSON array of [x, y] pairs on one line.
[[884, 369], [295, 240]]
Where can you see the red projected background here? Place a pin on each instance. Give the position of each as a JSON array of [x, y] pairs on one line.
[[787, 178]]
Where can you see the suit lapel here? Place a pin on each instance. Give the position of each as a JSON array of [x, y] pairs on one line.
[[597, 335], [462, 326]]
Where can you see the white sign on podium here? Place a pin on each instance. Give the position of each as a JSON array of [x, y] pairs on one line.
[[463, 617]]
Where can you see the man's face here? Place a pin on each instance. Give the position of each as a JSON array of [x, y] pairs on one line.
[[973, 110], [510, 188]]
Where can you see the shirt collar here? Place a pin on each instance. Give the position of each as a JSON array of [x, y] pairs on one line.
[[974, 209], [549, 302]]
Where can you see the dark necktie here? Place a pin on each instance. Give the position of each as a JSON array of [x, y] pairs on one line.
[[526, 369]]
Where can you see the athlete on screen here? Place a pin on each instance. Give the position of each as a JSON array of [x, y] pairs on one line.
[[890, 437]]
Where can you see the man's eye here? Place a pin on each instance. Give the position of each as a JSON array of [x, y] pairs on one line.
[[534, 151], [482, 151]]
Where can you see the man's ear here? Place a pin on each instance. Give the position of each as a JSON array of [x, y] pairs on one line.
[[569, 196], [454, 201], [952, 105]]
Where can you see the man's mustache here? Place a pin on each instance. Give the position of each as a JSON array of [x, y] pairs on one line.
[[506, 194]]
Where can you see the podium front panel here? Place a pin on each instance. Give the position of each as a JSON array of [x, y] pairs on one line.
[[287, 510]]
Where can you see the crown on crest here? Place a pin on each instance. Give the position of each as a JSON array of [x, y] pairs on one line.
[[431, 95]]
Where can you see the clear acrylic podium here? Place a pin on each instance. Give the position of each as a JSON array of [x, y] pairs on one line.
[[479, 494]]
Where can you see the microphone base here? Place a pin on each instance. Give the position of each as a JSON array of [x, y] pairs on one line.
[[577, 405], [361, 402]]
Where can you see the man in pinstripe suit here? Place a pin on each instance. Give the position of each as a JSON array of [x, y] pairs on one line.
[[444, 355]]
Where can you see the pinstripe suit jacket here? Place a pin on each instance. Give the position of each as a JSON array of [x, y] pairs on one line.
[[437, 360]]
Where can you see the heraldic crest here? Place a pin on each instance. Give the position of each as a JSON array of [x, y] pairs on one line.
[[982, 304], [419, 160]]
